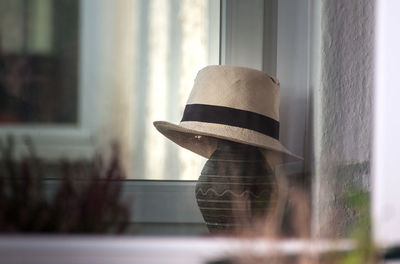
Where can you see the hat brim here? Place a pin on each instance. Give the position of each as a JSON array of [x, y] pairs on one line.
[[202, 138]]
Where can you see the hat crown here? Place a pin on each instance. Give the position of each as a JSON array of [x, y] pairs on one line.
[[237, 87]]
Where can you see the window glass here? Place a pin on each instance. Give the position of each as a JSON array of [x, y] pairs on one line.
[[175, 44], [77, 76]]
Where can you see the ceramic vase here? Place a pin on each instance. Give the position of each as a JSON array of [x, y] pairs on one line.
[[235, 187]]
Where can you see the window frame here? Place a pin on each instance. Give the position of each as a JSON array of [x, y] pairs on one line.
[[77, 141], [385, 196]]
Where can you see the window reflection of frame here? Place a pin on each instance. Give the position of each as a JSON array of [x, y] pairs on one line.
[[38, 62], [40, 77]]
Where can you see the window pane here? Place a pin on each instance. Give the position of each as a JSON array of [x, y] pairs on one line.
[[174, 45], [78, 75]]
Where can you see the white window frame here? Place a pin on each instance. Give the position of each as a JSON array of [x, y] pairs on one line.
[[386, 143]]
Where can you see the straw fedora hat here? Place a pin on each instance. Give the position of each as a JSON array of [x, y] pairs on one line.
[[231, 103]]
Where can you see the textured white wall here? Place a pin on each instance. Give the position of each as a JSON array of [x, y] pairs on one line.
[[343, 99]]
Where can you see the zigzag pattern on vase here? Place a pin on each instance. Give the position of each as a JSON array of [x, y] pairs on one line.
[[200, 190]]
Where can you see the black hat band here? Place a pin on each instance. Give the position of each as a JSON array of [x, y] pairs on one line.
[[232, 117]]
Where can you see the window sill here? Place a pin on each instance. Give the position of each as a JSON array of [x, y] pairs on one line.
[[101, 249]]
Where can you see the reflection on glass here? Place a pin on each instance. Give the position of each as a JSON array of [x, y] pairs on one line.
[[176, 44], [109, 69], [38, 61]]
